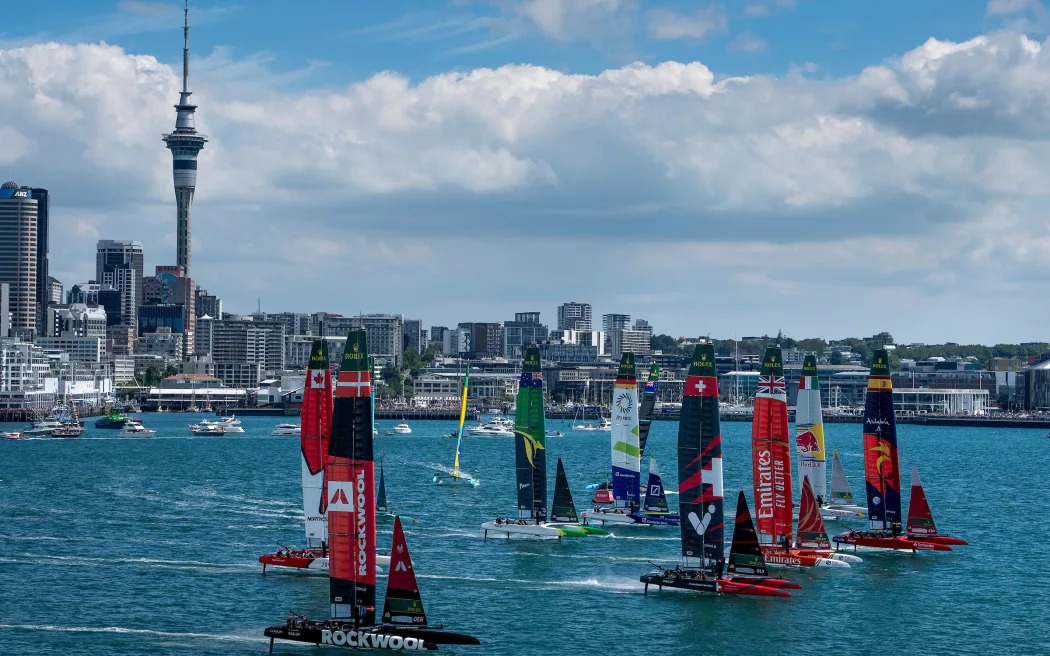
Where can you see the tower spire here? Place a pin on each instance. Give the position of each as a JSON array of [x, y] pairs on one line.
[[185, 46]]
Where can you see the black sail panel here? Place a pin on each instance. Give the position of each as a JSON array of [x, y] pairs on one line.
[[745, 556], [647, 407], [563, 509]]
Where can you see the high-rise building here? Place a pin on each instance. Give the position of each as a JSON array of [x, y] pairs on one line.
[[524, 330], [485, 339], [54, 291], [638, 342], [610, 324], [84, 292], [237, 346], [574, 316], [178, 288], [43, 222], [210, 305], [184, 144], [119, 263], [20, 266], [413, 332], [385, 333], [642, 325], [76, 320], [113, 301]]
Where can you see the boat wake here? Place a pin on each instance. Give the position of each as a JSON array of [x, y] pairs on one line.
[[125, 630], [84, 561], [614, 585]]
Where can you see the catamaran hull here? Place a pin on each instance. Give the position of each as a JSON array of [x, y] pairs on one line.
[[753, 587], [894, 543], [533, 530], [394, 638], [941, 539], [799, 558], [446, 479], [844, 512], [313, 563]]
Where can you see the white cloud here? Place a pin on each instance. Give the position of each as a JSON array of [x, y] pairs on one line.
[[1006, 7], [566, 19], [748, 42], [767, 7], [665, 24], [903, 196]]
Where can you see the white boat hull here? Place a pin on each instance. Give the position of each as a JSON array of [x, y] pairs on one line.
[[531, 530], [599, 518]]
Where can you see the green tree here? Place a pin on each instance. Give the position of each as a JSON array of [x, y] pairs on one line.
[[394, 380], [836, 357]]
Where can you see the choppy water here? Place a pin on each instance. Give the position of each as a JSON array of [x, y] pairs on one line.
[[149, 546]]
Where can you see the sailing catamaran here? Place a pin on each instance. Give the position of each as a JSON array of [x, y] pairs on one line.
[[655, 506], [647, 407], [882, 477], [454, 476], [809, 442], [626, 457], [530, 449], [841, 501], [350, 476], [771, 469], [563, 510], [700, 500], [313, 445]]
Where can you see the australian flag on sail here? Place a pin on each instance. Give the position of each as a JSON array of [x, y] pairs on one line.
[[771, 385], [531, 379]]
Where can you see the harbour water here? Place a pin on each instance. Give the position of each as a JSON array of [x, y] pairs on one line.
[[148, 546]]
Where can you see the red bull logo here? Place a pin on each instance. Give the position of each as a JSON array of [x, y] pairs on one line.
[[807, 442]]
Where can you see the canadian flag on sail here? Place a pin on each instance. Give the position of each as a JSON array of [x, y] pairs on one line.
[[317, 379]]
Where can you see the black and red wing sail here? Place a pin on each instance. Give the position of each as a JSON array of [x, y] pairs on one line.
[[700, 465], [647, 407], [403, 604], [882, 478], [350, 489], [745, 556], [315, 427]]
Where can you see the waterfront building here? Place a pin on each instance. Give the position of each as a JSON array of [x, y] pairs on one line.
[[446, 387], [55, 292], [123, 368], [20, 264], [955, 402], [566, 353], [574, 316], [119, 339], [181, 390], [524, 330], [638, 342], [1037, 387], [184, 143]]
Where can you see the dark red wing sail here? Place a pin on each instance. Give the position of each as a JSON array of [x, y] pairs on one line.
[[403, 604], [811, 530], [350, 489], [745, 556]]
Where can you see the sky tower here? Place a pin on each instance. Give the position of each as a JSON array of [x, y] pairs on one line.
[[184, 144]]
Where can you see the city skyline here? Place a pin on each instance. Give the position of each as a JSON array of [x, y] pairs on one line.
[[895, 189]]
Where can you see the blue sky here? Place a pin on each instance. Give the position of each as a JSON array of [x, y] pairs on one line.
[[820, 167]]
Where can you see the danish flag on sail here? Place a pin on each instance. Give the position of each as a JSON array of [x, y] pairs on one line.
[[351, 490]]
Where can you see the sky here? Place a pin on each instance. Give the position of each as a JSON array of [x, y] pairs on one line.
[[823, 168]]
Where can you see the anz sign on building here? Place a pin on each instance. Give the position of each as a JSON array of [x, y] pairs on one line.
[[16, 193]]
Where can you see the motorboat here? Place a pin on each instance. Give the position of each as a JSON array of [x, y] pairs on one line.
[[43, 427], [115, 418], [134, 428], [205, 428], [287, 430], [12, 435], [230, 424], [68, 429], [603, 425], [496, 427], [403, 428]]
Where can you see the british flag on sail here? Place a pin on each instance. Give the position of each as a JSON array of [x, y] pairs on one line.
[[771, 385]]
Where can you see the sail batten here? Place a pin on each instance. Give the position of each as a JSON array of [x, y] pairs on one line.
[[771, 451], [809, 431], [882, 480], [626, 454], [530, 442], [700, 466], [350, 489], [314, 431]]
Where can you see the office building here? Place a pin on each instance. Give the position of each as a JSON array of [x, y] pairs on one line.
[[638, 342], [5, 309], [526, 329], [54, 291], [120, 253], [20, 265], [242, 349], [76, 320], [574, 316], [385, 334], [413, 332], [484, 339]]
